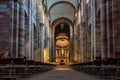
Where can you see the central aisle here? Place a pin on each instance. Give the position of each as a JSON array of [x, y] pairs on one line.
[[63, 74]]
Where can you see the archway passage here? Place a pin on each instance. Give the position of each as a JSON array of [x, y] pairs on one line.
[[62, 30], [62, 38]]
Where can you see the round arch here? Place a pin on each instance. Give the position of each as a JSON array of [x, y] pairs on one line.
[[62, 20], [61, 2], [53, 26]]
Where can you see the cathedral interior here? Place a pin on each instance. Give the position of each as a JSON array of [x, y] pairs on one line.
[[40, 35]]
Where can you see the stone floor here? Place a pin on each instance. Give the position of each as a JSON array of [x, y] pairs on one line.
[[63, 74]]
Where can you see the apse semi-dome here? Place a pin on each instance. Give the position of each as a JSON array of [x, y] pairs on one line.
[[62, 40]]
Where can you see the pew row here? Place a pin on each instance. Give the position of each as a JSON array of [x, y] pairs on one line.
[[19, 67], [107, 68]]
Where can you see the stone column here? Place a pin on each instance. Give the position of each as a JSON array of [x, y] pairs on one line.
[[110, 28], [21, 29], [65, 52], [16, 30], [71, 45], [11, 10], [94, 27], [92, 33], [30, 25], [98, 37], [38, 42], [84, 26], [39, 21], [32, 30], [52, 46], [58, 54], [81, 42], [103, 29], [42, 37], [68, 55]]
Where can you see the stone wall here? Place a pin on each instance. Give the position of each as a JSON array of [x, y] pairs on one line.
[[117, 27], [6, 25], [103, 40]]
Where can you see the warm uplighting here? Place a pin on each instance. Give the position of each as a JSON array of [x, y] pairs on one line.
[[61, 43], [46, 55], [62, 40], [62, 51], [63, 69]]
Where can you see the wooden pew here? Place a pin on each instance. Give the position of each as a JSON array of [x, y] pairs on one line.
[[6, 67], [31, 66], [10, 66], [19, 67], [109, 67], [8, 78]]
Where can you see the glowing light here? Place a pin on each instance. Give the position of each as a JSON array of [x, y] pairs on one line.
[[62, 51], [46, 55]]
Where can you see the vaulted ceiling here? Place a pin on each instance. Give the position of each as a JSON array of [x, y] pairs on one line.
[[64, 9], [61, 8]]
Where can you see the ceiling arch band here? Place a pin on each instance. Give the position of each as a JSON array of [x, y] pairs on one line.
[[61, 2], [62, 20]]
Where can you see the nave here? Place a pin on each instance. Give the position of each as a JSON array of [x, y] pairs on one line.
[[36, 33], [64, 74]]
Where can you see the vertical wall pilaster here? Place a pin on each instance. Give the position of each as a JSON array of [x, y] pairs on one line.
[[42, 42], [116, 26], [103, 29], [16, 30], [30, 24], [21, 29], [94, 28], [12, 29], [110, 32], [53, 45]]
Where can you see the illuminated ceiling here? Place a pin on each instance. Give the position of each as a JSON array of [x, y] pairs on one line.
[[62, 40], [62, 43]]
